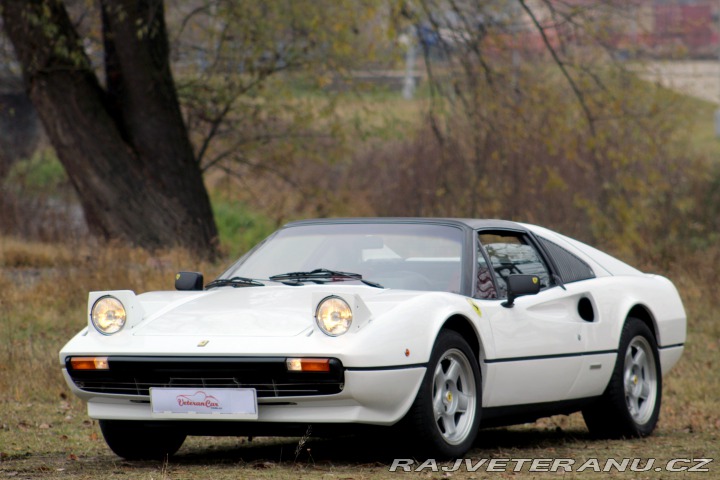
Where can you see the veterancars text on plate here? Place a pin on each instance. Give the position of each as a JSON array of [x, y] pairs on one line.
[[431, 327]]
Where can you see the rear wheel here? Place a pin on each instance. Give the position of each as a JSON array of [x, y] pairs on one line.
[[141, 440], [445, 417], [630, 406]]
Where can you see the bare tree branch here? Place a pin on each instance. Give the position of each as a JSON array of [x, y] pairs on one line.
[[561, 65]]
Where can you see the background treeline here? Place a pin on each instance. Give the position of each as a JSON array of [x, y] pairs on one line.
[[515, 110]]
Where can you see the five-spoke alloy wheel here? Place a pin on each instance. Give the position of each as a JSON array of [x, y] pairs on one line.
[[640, 378], [630, 406], [454, 398], [445, 417]]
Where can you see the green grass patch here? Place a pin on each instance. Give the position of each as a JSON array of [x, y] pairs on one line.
[[41, 173], [238, 226], [704, 139]]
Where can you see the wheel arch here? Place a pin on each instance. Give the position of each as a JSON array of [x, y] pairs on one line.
[[463, 326], [643, 313]]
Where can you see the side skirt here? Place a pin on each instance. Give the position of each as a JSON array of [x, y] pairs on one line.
[[515, 414]]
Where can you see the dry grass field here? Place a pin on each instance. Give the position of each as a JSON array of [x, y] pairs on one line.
[[45, 432]]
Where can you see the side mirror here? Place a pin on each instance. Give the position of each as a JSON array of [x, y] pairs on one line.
[[519, 285], [189, 281]]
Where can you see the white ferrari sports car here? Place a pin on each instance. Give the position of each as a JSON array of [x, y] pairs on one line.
[[430, 327]]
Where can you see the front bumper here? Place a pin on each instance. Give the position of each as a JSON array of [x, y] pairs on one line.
[[374, 396]]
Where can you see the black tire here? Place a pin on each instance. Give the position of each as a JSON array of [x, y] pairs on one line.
[[141, 440], [453, 382], [630, 406]]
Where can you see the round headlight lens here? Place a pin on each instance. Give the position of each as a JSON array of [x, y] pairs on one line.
[[108, 315], [334, 316]]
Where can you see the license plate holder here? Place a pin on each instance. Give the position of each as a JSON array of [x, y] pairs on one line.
[[204, 403]]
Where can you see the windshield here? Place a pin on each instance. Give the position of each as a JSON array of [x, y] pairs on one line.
[[405, 256]]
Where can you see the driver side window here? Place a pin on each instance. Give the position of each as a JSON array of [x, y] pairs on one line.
[[512, 253]]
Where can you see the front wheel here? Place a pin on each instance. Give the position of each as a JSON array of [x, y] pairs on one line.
[[630, 406], [445, 417], [134, 440]]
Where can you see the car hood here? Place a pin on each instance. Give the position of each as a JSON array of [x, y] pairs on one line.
[[271, 311]]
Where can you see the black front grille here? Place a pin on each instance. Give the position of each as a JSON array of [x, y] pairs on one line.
[[267, 375]]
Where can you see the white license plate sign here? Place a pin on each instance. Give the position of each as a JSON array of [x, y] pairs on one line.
[[204, 403]]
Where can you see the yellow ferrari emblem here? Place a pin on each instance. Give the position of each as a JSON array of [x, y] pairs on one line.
[[475, 307], [536, 280], [449, 397], [177, 276]]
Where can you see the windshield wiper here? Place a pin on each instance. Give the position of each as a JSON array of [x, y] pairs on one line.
[[234, 282], [320, 275]]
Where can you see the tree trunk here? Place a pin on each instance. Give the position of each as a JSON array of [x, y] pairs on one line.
[[125, 148]]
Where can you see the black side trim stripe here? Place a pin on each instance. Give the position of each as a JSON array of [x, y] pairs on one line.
[[548, 357], [389, 367], [502, 360]]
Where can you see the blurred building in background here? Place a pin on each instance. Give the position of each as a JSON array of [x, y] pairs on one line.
[[687, 29], [651, 29], [674, 28]]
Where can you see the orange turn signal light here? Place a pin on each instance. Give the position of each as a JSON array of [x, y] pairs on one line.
[[89, 363], [308, 364]]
